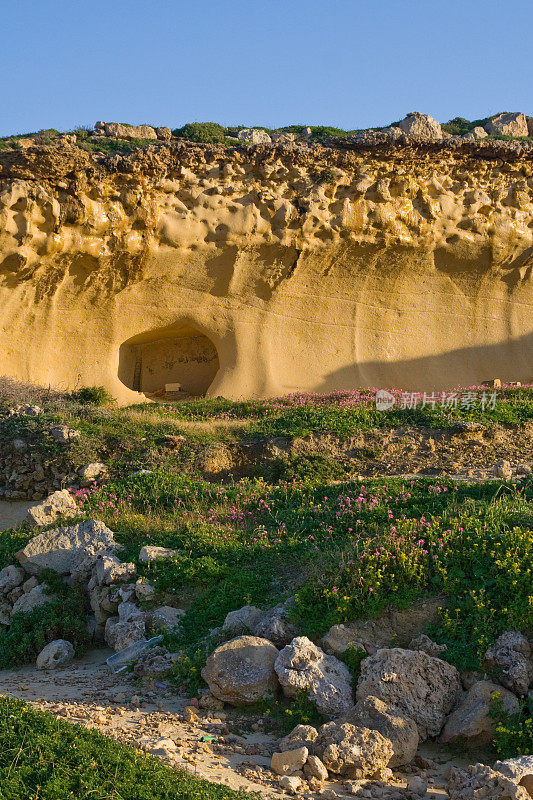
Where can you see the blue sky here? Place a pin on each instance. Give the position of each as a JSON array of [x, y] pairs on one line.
[[347, 63]]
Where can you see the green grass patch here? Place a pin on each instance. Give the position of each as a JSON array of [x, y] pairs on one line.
[[61, 618], [346, 550], [46, 758]]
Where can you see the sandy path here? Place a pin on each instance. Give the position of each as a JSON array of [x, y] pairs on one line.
[[12, 514]]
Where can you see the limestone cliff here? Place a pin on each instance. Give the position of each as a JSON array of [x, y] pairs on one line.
[[264, 270]]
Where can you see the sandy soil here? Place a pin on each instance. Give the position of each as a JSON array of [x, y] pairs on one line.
[[12, 513]]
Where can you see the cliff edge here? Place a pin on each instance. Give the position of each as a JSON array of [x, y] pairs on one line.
[[261, 270]]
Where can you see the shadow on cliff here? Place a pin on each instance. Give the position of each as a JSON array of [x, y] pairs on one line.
[[509, 361]]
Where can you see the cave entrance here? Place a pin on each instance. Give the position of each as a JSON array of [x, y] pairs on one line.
[[169, 363]]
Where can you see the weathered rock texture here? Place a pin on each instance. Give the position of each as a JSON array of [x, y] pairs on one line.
[[398, 728], [66, 550], [265, 269], [242, 670], [351, 750], [421, 688], [471, 721], [302, 666]]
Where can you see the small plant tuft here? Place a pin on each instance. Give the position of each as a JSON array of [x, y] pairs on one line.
[[93, 395]]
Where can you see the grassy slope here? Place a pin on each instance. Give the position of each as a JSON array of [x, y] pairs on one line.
[[345, 550]]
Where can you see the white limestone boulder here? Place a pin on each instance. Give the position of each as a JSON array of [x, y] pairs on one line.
[[56, 654], [65, 549], [58, 504], [301, 665], [242, 670]]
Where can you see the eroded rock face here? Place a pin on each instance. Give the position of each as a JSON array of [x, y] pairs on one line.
[[242, 670], [421, 126], [513, 124], [169, 232], [417, 686], [254, 136], [302, 665], [480, 780], [400, 730], [117, 130], [352, 751]]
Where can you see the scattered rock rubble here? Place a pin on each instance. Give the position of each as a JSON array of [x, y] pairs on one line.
[[372, 742]]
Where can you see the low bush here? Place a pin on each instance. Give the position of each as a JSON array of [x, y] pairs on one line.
[[306, 468], [205, 132], [514, 732], [64, 617], [286, 713], [93, 395]]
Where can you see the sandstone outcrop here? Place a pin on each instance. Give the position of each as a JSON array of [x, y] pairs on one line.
[[256, 271], [508, 125], [421, 126]]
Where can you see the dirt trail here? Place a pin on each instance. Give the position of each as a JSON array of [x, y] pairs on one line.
[[13, 513], [219, 746]]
